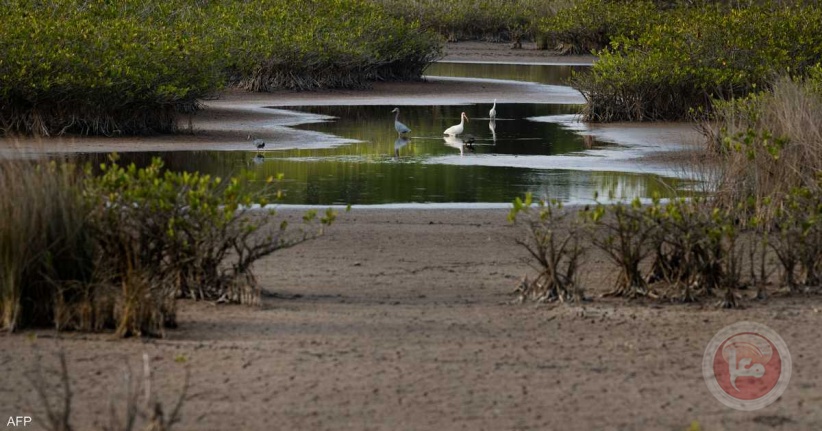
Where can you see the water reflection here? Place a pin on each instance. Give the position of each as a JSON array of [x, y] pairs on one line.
[[399, 144], [322, 178], [512, 133], [510, 157], [455, 142]]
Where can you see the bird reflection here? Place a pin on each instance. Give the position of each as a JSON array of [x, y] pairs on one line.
[[398, 144], [455, 142], [259, 144], [258, 159], [493, 126]]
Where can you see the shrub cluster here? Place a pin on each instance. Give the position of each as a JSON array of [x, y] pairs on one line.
[[589, 25], [103, 67], [683, 250], [325, 43], [132, 66], [693, 56], [115, 250], [769, 143], [552, 238], [496, 21]]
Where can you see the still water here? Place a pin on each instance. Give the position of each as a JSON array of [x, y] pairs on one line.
[[493, 162]]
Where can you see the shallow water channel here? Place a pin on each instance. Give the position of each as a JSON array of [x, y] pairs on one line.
[[529, 148]]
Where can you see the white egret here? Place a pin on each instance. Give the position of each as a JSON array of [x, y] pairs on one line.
[[493, 126], [458, 129], [401, 128], [493, 112]]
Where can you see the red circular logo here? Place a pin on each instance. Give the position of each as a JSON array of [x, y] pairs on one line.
[[747, 366]]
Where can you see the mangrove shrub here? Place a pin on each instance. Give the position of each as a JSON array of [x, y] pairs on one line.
[[496, 21], [590, 25], [115, 250], [694, 56], [551, 235], [324, 44], [770, 144], [94, 67], [133, 66]]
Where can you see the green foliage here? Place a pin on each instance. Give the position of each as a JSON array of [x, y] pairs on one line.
[[682, 250], [115, 250], [553, 241], [770, 143], [693, 56], [695, 250], [131, 67], [103, 67], [590, 25], [797, 240], [323, 44], [508, 20], [189, 234], [625, 233]]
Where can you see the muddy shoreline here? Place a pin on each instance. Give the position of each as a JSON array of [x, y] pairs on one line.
[[226, 121], [405, 318]]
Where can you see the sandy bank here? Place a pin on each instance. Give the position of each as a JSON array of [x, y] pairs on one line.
[[402, 319]]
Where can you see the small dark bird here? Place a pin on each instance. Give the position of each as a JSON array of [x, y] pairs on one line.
[[469, 141], [259, 143]]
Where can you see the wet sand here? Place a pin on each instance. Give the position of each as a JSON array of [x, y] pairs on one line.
[[403, 319]]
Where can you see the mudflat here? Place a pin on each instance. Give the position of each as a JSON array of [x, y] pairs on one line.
[[405, 319]]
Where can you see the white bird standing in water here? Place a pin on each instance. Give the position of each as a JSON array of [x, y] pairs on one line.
[[401, 128], [493, 112], [458, 129]]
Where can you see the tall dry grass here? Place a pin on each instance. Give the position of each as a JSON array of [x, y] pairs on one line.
[[46, 252], [771, 144], [53, 269]]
